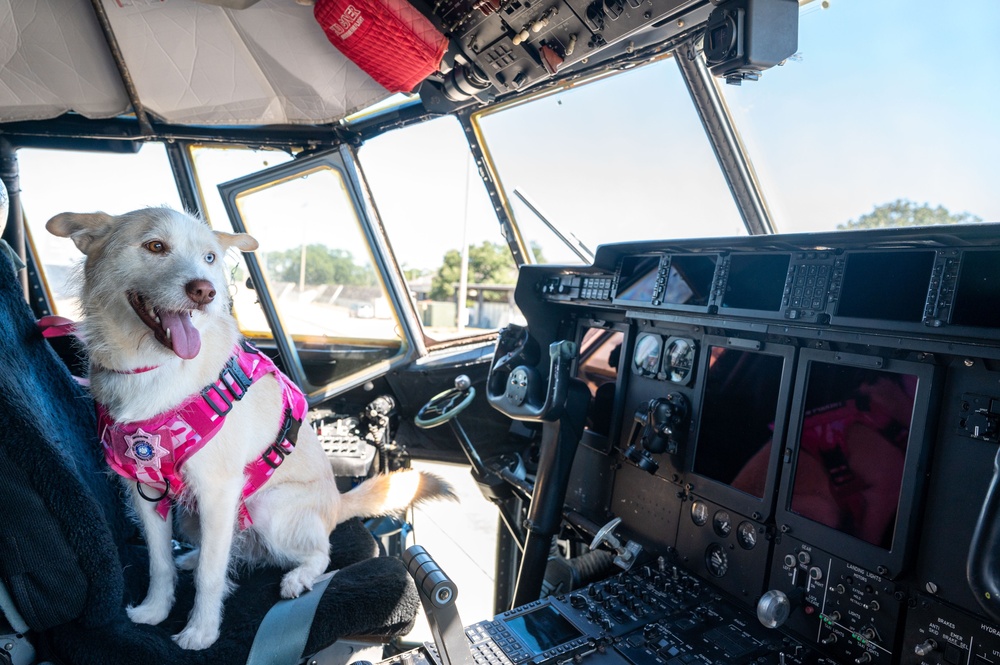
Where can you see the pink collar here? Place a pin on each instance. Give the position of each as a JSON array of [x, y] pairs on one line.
[[152, 451], [60, 326], [137, 370]]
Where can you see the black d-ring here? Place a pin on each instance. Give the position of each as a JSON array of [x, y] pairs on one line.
[[138, 488]]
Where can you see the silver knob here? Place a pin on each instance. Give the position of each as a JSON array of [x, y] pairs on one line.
[[925, 648], [773, 608], [463, 382]]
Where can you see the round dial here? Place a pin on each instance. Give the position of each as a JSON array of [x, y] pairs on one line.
[[646, 359], [678, 361], [722, 523], [746, 535], [699, 513], [716, 560]]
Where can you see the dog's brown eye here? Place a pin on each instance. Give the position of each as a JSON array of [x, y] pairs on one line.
[[155, 246], [210, 257]]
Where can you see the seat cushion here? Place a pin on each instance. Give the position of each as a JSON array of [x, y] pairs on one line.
[[368, 596]]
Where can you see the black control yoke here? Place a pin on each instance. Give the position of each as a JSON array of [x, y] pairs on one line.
[[517, 389], [983, 565]]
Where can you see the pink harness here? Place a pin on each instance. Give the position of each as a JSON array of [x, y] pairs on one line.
[[152, 452]]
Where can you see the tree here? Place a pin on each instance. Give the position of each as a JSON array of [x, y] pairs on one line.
[[489, 263], [903, 212], [324, 265]]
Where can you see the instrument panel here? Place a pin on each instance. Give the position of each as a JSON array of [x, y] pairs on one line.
[[943, 291], [837, 444]]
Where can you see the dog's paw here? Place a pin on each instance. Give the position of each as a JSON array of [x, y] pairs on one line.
[[188, 560], [194, 638], [148, 613], [296, 582]]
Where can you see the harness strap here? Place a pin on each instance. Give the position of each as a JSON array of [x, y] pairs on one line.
[[188, 429]]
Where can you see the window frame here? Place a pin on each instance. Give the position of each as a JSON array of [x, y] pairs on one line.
[[341, 160]]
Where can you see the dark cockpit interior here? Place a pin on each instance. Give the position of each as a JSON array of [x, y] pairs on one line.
[[786, 446]]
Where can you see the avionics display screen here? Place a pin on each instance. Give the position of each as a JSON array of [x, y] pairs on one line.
[[852, 448], [690, 280], [887, 286], [637, 278], [977, 297], [737, 418], [756, 281], [542, 629]]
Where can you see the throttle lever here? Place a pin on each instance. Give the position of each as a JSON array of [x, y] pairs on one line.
[[437, 594]]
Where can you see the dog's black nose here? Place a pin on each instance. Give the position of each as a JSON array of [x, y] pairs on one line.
[[200, 291]]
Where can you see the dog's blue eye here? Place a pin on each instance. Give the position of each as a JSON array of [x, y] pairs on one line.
[[210, 257]]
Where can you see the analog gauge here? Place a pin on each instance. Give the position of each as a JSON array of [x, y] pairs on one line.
[[716, 560], [746, 535], [722, 523], [678, 361], [646, 359], [699, 513]]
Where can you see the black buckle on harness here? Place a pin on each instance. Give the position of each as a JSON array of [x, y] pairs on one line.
[[289, 432], [289, 429], [221, 410], [232, 377], [279, 456], [248, 346]]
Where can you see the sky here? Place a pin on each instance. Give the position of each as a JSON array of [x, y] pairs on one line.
[[885, 99]]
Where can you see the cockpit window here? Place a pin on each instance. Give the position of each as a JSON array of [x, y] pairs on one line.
[[621, 158], [442, 229], [885, 117], [55, 181]]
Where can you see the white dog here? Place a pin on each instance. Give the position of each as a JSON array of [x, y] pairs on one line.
[[168, 367]]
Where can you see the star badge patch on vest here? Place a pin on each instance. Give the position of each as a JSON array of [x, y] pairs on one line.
[[145, 448]]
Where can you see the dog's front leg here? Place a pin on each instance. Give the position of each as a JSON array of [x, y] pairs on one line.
[[162, 572], [218, 503]]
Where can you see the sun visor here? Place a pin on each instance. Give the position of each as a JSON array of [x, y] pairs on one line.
[[195, 63], [54, 59], [191, 63]]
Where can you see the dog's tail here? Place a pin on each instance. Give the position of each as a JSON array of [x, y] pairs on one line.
[[391, 493]]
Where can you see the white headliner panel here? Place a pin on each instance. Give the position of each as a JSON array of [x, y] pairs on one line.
[[53, 59], [191, 63]]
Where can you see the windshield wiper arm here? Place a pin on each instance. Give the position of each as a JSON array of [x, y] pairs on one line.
[[571, 241]]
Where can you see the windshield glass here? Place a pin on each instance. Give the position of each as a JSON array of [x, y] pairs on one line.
[[621, 158], [885, 116]]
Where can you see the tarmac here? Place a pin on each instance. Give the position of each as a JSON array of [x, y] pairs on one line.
[[461, 537]]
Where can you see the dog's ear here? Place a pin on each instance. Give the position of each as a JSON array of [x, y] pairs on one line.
[[84, 229], [241, 241]]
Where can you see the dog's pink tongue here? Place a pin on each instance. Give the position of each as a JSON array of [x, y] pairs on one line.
[[185, 339]]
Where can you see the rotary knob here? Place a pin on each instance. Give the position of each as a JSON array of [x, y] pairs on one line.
[[773, 608]]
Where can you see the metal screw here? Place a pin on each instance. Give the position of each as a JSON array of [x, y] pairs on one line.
[[9, 646], [931, 587], [969, 362]]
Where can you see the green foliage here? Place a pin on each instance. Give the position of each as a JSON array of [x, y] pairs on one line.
[[903, 212], [324, 265], [489, 263]]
